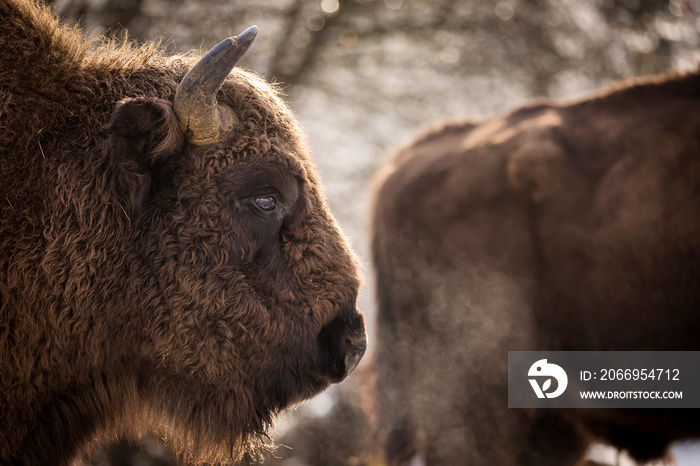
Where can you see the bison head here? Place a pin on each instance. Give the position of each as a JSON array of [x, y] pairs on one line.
[[240, 291]]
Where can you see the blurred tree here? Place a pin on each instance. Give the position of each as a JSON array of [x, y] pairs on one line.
[[541, 38]]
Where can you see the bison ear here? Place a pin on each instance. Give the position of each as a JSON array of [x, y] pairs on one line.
[[145, 138], [148, 128]]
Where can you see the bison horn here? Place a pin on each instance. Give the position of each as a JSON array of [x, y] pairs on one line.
[[195, 99]]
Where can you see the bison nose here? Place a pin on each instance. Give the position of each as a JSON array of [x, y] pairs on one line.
[[355, 348], [342, 343]]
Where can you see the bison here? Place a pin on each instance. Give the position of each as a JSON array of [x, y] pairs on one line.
[[168, 262], [570, 226]]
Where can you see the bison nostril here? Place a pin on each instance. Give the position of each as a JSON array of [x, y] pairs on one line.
[[356, 343]]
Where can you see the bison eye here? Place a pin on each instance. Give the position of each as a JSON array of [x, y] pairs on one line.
[[266, 203]]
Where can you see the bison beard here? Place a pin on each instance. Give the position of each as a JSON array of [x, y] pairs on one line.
[[167, 260], [554, 227]]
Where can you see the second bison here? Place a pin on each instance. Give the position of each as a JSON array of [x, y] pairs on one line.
[[555, 227]]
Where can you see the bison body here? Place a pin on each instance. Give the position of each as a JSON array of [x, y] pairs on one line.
[[167, 263], [555, 227]]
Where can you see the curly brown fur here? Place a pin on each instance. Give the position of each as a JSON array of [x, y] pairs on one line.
[[140, 289], [554, 227]]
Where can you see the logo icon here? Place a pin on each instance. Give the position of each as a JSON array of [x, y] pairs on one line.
[[542, 369]]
